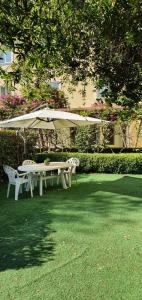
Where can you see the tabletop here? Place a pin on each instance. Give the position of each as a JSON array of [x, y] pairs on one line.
[[42, 167]]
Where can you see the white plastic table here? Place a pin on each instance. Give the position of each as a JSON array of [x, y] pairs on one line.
[[40, 168]]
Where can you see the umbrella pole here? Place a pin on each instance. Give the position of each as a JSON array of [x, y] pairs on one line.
[[24, 142]]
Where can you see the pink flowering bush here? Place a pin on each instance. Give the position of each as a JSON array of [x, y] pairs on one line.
[[10, 106], [13, 105], [12, 101]]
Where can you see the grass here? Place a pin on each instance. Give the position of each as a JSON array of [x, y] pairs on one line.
[[84, 243]]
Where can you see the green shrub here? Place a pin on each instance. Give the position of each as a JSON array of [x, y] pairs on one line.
[[47, 161], [128, 163], [12, 149], [86, 138]]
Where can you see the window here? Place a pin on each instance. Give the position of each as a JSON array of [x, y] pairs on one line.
[[6, 57], [55, 84], [3, 90], [100, 93]]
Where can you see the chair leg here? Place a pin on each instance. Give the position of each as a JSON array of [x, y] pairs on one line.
[[32, 182], [27, 187], [20, 189], [17, 186], [63, 180], [51, 182], [58, 179], [8, 190], [41, 187], [67, 178], [31, 187], [35, 182], [45, 183]]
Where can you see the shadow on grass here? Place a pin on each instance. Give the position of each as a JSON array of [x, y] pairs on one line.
[[103, 197], [25, 234], [26, 226]]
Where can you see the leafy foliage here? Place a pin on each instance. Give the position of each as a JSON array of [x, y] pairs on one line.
[[118, 55], [15, 105], [96, 39], [39, 92], [12, 148], [100, 163], [47, 161], [86, 138]]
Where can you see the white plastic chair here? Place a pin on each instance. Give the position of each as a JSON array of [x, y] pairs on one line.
[[16, 179], [42, 177], [75, 162], [35, 176], [71, 170], [28, 162]]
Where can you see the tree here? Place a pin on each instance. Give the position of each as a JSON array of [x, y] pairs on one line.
[[118, 54], [85, 139], [83, 38], [47, 35]]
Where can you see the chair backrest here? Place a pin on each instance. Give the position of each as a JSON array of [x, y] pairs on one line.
[[75, 162], [28, 162], [11, 173]]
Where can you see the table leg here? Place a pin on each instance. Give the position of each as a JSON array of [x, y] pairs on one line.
[[40, 186], [29, 184], [69, 179], [31, 187], [63, 179]]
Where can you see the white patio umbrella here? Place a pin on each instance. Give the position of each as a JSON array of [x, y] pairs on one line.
[[49, 119]]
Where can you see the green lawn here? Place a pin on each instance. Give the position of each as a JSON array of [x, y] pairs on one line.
[[83, 243]]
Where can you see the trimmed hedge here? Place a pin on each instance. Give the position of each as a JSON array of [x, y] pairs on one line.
[[107, 150], [128, 163], [12, 148]]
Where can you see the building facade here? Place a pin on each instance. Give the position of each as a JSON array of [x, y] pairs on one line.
[[82, 97]]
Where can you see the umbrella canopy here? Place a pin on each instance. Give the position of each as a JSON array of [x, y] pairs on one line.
[[49, 119]]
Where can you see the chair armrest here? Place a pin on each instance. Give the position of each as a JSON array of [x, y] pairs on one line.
[[22, 175]]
